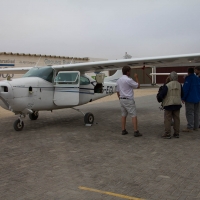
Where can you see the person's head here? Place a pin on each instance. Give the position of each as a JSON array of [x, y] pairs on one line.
[[126, 70], [173, 76], [190, 70], [197, 70]]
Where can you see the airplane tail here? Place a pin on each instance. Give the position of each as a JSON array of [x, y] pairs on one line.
[[114, 77]]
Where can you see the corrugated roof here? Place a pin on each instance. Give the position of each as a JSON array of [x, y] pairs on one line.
[[38, 55]]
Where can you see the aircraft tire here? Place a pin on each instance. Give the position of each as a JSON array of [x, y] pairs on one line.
[[89, 118], [18, 126], [34, 115]]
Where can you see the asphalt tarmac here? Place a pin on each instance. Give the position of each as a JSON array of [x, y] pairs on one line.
[[57, 157]]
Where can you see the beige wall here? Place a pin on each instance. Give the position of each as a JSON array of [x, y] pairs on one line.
[[37, 60], [27, 60]]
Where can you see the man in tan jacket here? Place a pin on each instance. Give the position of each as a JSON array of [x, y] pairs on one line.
[[171, 94]]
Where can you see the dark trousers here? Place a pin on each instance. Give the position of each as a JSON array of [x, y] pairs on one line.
[[192, 115], [169, 115]]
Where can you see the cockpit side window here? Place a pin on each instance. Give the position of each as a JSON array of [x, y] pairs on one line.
[[84, 80], [50, 77], [67, 78]]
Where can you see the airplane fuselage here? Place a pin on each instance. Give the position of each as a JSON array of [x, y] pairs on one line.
[[49, 89], [32, 93]]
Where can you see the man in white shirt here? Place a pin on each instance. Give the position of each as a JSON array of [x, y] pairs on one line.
[[125, 86]]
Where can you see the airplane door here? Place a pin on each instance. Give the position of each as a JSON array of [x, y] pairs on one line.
[[67, 88]]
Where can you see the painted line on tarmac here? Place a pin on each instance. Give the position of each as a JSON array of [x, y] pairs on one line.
[[109, 193]]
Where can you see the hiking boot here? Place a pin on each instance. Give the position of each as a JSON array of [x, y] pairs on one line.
[[195, 129], [124, 132], [137, 134], [187, 130], [176, 135], [166, 136]]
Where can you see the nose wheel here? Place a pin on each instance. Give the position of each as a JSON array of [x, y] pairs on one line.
[[18, 125]]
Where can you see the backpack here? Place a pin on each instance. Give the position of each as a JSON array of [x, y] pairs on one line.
[[159, 96]]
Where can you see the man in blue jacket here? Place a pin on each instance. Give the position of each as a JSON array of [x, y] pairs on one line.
[[191, 99], [197, 72]]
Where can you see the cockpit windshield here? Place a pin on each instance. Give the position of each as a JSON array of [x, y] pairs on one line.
[[45, 73]]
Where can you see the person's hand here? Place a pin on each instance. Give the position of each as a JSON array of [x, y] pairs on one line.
[[183, 102], [135, 76]]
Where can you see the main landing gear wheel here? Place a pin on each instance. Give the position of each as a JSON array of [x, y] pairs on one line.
[[89, 118], [18, 125], [34, 115]]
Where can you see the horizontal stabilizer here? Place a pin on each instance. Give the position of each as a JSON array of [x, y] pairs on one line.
[[164, 74]]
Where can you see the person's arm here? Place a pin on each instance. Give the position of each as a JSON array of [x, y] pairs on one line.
[[186, 87], [164, 91], [134, 83], [117, 90], [136, 80]]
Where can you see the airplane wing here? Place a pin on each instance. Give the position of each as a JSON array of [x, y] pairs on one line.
[[162, 61], [15, 70]]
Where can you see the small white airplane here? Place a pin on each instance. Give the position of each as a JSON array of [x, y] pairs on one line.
[[66, 86]]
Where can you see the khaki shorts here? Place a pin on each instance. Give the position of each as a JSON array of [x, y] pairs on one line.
[[128, 107]]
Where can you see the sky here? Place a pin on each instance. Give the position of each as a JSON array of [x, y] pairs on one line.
[[100, 28]]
